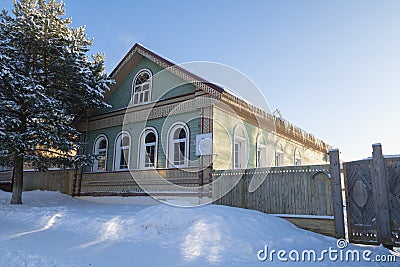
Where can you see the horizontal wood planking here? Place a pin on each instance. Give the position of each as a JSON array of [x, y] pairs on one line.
[[322, 226]]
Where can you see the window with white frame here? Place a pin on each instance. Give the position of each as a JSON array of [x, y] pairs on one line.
[[122, 151], [148, 149], [261, 151], [279, 155], [297, 158], [239, 148], [141, 87], [178, 146], [100, 149]]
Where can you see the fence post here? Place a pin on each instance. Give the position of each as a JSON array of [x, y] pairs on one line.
[[379, 185], [337, 193]]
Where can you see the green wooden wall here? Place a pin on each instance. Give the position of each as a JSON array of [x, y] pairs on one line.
[[162, 125], [223, 132], [165, 85]]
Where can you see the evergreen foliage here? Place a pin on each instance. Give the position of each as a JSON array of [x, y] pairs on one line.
[[46, 80]]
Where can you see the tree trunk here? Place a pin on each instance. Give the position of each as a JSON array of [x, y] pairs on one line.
[[18, 175]]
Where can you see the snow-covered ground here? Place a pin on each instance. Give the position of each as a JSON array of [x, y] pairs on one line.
[[52, 229]]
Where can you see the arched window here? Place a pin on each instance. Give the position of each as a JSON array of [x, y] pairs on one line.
[[279, 155], [297, 157], [261, 151], [178, 145], [100, 149], [239, 148], [141, 87], [148, 149], [122, 151]]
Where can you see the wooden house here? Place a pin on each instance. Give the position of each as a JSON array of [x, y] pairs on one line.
[[163, 117]]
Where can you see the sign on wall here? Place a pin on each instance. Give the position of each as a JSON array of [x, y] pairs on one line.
[[204, 144]]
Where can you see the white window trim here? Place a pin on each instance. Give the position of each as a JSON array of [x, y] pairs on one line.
[[261, 144], [116, 162], [279, 150], [96, 151], [150, 87], [297, 157], [142, 149], [243, 141], [170, 147]]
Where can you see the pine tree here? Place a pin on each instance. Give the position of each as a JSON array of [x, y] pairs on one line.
[[46, 79]]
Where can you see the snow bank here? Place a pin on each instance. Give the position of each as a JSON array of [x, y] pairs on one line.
[[52, 229]]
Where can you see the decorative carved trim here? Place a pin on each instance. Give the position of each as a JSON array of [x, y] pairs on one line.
[[132, 115]]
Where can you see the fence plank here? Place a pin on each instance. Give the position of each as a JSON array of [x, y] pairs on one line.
[[337, 193], [379, 184]]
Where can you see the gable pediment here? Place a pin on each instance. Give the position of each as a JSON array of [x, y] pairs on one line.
[[169, 80]]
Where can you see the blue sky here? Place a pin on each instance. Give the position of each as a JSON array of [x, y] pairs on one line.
[[331, 67]]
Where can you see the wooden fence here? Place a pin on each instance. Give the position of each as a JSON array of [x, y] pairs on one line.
[[54, 180], [301, 194], [5, 180], [308, 196]]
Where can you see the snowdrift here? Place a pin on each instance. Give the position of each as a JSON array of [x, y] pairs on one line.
[[52, 229]]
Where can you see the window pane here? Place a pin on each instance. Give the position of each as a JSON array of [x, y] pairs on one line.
[[123, 164], [176, 133], [176, 152], [278, 159], [150, 138], [182, 134], [182, 146], [101, 164], [237, 155], [125, 140], [102, 144], [179, 153], [142, 87], [149, 160], [142, 77]]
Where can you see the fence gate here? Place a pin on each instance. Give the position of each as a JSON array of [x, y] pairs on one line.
[[373, 199], [361, 216]]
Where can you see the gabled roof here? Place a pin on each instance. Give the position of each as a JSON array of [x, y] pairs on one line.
[[139, 49]]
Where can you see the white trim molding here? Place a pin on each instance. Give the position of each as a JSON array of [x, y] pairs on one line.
[[171, 145], [118, 147]]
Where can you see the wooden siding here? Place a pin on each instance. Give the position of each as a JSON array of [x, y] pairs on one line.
[[162, 126], [223, 132], [165, 85]]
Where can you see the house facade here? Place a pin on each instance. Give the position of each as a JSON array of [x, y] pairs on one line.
[[164, 117]]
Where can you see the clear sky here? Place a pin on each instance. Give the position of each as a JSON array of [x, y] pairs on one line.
[[331, 67]]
